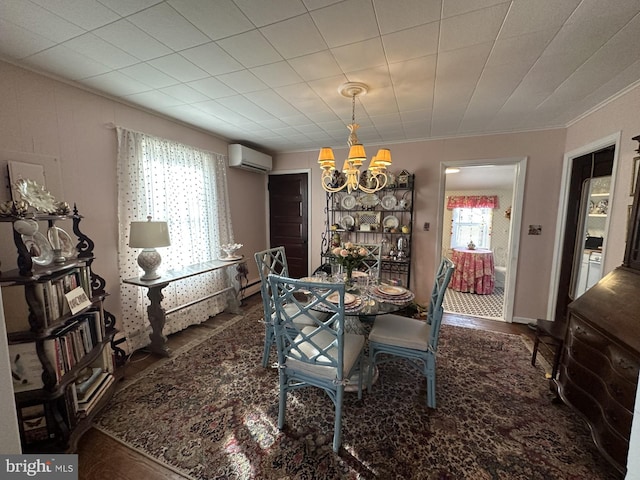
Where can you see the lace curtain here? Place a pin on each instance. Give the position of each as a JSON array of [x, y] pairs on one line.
[[187, 187], [472, 201]]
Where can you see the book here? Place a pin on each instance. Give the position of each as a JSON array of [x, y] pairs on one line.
[[33, 423], [89, 403], [83, 387]]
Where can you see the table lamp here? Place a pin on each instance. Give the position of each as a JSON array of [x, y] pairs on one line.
[[149, 235]]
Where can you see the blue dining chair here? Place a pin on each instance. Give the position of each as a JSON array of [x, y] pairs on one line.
[[273, 260], [320, 355], [410, 338]]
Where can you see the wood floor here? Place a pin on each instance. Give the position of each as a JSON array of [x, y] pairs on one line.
[[102, 458]]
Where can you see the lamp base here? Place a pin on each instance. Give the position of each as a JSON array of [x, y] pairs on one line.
[[149, 261]]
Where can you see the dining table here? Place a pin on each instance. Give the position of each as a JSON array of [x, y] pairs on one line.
[[365, 299], [474, 271]]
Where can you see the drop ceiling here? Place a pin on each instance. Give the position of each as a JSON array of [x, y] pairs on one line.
[[266, 72]]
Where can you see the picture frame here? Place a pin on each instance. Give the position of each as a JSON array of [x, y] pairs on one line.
[[634, 175]]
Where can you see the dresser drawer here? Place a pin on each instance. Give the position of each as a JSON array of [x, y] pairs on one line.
[[618, 417], [586, 334], [625, 364]]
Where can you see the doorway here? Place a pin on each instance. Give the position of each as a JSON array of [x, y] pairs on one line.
[[289, 219], [585, 225], [504, 177]]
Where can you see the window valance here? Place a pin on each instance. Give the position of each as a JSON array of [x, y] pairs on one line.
[[472, 201]]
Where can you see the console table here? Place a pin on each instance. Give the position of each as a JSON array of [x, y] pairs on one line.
[[158, 315], [474, 271]]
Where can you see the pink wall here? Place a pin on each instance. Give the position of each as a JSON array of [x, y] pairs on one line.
[[544, 149], [621, 115], [43, 116]]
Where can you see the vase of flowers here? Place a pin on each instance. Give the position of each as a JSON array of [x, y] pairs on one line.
[[350, 256]]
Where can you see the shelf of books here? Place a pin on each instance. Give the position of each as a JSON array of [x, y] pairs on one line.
[[58, 334]]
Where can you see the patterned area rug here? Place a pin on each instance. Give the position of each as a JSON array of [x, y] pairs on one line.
[[210, 412], [484, 306]]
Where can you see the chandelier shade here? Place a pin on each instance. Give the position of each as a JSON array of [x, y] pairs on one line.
[[351, 176]]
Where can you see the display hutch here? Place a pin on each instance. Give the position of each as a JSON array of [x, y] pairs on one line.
[[384, 217], [598, 375], [58, 330]]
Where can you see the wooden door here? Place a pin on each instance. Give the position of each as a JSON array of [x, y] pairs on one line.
[[288, 219]]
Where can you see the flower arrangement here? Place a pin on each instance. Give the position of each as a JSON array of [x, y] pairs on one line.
[[350, 256]]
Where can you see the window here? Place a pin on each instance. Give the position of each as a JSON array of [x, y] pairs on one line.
[[471, 224]]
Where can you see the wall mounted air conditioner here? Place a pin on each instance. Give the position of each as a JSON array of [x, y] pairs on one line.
[[248, 159]]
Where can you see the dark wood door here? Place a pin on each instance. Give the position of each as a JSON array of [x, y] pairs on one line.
[[288, 219], [591, 165]]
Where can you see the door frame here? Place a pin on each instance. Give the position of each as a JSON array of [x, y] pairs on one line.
[[309, 212], [520, 167], [567, 166]]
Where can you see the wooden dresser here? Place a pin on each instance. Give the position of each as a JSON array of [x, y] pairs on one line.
[[599, 369]]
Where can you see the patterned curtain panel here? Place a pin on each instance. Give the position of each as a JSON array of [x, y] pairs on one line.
[[187, 187], [473, 201]]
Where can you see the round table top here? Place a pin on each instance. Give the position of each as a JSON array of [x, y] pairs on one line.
[[475, 250]]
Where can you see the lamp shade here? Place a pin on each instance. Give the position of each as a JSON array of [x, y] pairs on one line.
[[149, 234]]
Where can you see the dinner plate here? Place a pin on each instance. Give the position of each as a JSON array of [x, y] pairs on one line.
[[347, 221], [348, 202], [67, 249], [348, 298], [358, 273], [370, 200], [389, 202], [39, 248], [232, 258], [391, 290], [390, 222]]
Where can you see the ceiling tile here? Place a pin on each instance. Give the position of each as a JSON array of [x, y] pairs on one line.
[[211, 58], [18, 42], [35, 19], [480, 26], [393, 17], [212, 88], [116, 84], [526, 17], [295, 37], [347, 22], [152, 99], [242, 81], [251, 49], [66, 63], [128, 37], [184, 93], [316, 4], [360, 55], [219, 19], [178, 67], [245, 107], [459, 7], [316, 65], [145, 73], [276, 74], [272, 102], [87, 14], [95, 48], [412, 43], [128, 7], [169, 27], [265, 13]]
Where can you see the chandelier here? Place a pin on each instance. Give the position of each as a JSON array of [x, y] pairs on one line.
[[375, 176]]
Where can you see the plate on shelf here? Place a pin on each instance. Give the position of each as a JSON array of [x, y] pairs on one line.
[[39, 248], [390, 222], [389, 202], [67, 249], [369, 200], [347, 221], [348, 202]]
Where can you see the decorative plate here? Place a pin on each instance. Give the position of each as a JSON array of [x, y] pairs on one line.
[[389, 202], [348, 298], [348, 202], [67, 249], [39, 248], [390, 222], [26, 227], [391, 290], [370, 200], [348, 221], [36, 196]]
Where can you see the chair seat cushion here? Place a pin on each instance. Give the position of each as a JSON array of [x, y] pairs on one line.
[[353, 345], [401, 332]]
